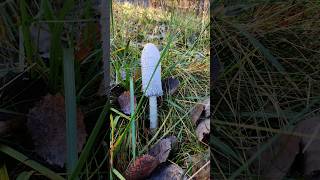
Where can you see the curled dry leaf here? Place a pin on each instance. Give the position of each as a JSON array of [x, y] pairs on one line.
[[162, 149], [46, 124], [124, 102], [196, 113], [168, 172], [170, 85], [142, 167]]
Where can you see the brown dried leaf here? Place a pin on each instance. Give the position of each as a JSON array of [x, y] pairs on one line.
[[170, 85], [203, 129], [197, 111], [47, 126], [142, 167], [162, 149], [124, 102], [168, 172]]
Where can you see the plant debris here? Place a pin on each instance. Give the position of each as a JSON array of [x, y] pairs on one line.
[[47, 126], [124, 102]]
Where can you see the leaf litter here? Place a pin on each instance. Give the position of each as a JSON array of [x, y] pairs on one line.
[[154, 164], [200, 116]]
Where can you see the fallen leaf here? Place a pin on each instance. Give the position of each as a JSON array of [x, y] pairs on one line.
[[142, 167], [46, 125], [170, 85], [168, 172], [203, 129], [162, 149], [198, 109], [124, 102], [196, 113]]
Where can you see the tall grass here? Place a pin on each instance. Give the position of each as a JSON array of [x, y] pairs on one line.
[[79, 82]]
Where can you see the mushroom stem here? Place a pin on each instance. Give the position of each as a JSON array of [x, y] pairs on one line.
[[153, 112]]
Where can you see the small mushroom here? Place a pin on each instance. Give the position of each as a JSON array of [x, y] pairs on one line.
[[151, 79]]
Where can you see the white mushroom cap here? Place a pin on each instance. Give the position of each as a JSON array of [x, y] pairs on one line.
[[149, 60]]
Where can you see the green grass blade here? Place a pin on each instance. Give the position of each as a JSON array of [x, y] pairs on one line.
[[71, 109], [27, 161], [133, 126], [88, 147]]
